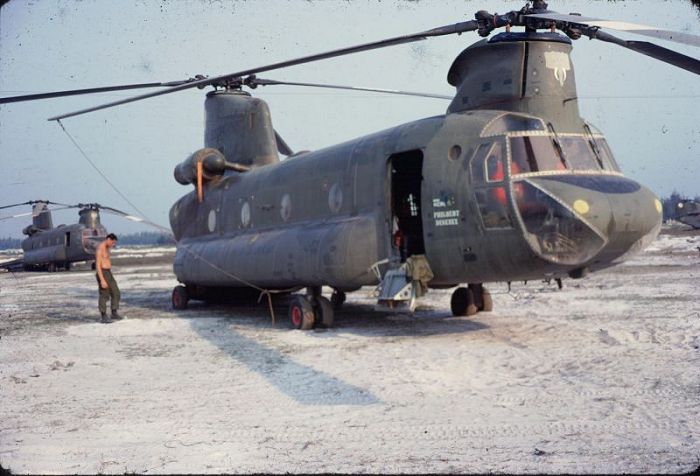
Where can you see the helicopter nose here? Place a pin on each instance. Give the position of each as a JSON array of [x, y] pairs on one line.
[[587, 219]]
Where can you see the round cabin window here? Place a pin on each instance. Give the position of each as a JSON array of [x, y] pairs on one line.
[[455, 152]]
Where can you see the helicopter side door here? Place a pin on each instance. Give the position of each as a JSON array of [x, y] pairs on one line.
[[407, 221]]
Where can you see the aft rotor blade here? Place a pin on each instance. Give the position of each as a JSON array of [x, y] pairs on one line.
[[32, 202], [134, 218], [676, 36], [657, 52], [269, 82], [282, 146], [462, 27], [16, 205], [19, 215], [77, 92], [26, 214]]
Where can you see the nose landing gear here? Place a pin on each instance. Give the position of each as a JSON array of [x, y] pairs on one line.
[[470, 300]]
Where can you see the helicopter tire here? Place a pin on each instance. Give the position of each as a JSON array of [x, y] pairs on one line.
[[337, 298], [324, 312], [67, 266], [180, 298], [51, 268], [301, 313], [462, 302]]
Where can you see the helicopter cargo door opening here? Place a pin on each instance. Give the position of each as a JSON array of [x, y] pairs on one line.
[[407, 223]]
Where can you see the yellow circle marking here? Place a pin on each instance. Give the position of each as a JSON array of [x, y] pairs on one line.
[[581, 206], [659, 207]]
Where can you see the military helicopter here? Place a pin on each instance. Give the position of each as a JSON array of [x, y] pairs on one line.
[[688, 212], [49, 248], [509, 184]]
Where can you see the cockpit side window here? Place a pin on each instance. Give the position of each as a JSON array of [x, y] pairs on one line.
[[477, 162], [488, 167], [494, 168]]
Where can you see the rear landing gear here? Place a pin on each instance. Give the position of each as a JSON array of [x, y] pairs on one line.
[[470, 300], [311, 310], [180, 298], [301, 313]]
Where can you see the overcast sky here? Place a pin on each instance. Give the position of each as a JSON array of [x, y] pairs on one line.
[[647, 109]]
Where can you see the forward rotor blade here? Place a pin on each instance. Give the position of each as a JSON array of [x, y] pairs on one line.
[[657, 52], [676, 36], [77, 92], [270, 82], [470, 25]]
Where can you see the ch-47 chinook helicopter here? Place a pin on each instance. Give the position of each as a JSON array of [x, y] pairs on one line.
[[688, 212], [49, 248], [509, 184]]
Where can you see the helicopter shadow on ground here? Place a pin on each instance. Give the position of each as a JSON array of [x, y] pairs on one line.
[[304, 383], [301, 382], [214, 322]]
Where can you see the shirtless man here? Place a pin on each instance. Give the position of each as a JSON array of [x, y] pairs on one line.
[[105, 280]]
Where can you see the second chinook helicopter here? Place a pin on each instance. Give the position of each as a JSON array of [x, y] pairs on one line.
[[54, 248], [510, 184]]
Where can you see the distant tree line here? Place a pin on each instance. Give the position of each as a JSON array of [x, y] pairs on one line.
[[10, 243], [146, 238]]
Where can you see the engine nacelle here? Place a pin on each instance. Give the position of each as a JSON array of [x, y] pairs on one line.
[[213, 162]]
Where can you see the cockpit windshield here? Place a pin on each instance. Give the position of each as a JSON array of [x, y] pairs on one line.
[[539, 153]]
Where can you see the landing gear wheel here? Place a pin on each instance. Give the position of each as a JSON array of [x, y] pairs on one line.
[[337, 298], [462, 302], [180, 298], [301, 313], [51, 268], [324, 312], [67, 266]]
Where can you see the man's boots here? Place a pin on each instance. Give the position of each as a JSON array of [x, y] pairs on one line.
[[105, 319], [116, 316]]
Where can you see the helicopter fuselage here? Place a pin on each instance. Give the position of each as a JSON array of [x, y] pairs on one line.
[[482, 194], [48, 247]]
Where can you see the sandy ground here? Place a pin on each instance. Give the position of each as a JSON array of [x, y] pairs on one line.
[[602, 376]]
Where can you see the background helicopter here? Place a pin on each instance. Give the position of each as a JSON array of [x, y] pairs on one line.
[[49, 248], [688, 212], [408, 175]]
